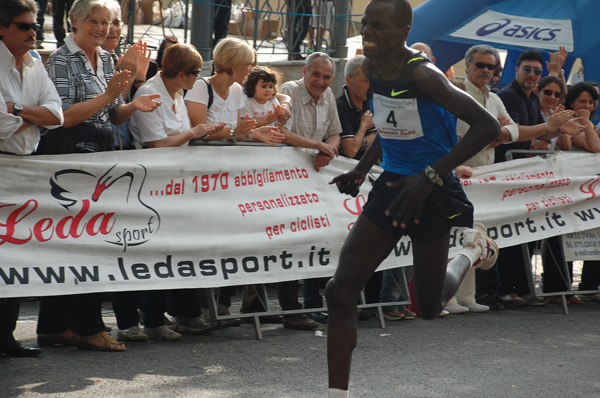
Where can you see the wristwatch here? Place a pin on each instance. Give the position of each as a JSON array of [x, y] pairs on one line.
[[17, 108], [433, 176]]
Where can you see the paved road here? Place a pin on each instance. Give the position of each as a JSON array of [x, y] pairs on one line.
[[529, 352]]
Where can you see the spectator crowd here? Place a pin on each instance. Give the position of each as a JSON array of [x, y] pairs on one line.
[[88, 98]]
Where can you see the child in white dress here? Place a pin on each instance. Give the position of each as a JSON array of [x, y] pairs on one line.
[[261, 88]]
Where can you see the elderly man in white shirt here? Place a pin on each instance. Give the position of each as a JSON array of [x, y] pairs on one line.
[[315, 119], [28, 99], [481, 61]]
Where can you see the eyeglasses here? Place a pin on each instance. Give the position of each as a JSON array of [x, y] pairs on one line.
[[482, 65], [557, 94], [24, 26], [95, 23], [195, 72], [536, 71]]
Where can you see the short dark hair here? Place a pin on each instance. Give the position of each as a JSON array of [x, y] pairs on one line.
[[161, 48], [550, 79], [404, 11], [259, 73], [13, 8], [530, 55], [575, 91]]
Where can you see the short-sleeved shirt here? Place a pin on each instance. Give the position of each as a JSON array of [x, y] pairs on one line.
[[316, 121], [32, 87], [171, 117], [350, 117], [524, 110], [75, 80], [260, 111], [221, 110]]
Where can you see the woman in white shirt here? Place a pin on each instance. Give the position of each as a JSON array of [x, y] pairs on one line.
[[169, 125], [233, 60]]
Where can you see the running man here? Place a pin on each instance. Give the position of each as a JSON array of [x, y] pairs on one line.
[[417, 194]]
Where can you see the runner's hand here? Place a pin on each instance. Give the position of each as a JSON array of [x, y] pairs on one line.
[[349, 182], [408, 205]]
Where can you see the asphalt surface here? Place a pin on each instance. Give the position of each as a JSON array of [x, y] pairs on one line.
[[527, 352]]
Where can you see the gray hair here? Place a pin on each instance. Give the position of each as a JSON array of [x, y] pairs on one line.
[[353, 64], [81, 9], [115, 8], [318, 55], [481, 49]]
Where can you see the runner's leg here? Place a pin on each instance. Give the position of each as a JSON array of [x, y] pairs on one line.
[[365, 248]]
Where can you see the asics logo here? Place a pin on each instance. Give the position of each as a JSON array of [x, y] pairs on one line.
[[395, 93]]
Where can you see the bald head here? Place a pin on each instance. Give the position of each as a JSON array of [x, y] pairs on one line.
[[425, 48]]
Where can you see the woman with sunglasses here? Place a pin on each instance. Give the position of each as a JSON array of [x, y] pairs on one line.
[[550, 91], [90, 89], [169, 125], [581, 99]]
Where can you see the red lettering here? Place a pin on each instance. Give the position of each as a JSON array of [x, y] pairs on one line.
[[41, 226], [104, 230], [12, 220], [75, 220], [44, 229]]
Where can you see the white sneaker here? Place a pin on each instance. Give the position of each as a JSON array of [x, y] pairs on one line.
[[134, 333], [476, 238], [476, 307], [456, 309], [162, 333], [443, 313]]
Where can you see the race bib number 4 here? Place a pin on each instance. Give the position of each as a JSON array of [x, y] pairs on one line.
[[397, 118]]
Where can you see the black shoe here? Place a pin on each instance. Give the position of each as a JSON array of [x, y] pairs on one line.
[[492, 301], [318, 316], [13, 348], [297, 57]]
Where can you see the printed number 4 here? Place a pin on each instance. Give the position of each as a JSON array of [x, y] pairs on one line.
[[391, 119]]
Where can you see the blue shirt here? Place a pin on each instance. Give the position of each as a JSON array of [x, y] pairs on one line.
[[523, 110]]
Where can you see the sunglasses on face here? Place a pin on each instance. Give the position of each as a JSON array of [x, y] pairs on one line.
[[557, 94], [483, 65], [24, 26], [536, 71], [195, 72]]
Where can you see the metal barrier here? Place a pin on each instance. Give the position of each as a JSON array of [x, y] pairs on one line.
[[212, 295], [564, 269], [268, 25]]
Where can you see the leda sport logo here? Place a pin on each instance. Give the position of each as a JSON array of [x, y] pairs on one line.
[[503, 28]]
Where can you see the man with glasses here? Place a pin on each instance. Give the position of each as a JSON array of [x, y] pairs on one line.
[[523, 106], [28, 100]]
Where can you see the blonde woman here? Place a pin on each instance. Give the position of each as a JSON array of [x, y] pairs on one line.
[[233, 60]]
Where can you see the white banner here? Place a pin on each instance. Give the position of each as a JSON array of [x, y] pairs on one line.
[[217, 216], [497, 27]]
